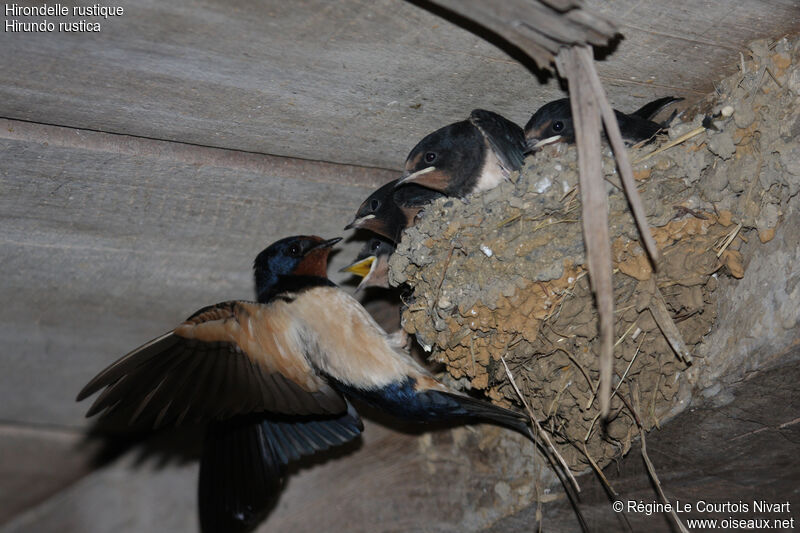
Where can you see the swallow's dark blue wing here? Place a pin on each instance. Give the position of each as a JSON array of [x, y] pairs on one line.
[[228, 359], [506, 139], [244, 463], [293, 439]]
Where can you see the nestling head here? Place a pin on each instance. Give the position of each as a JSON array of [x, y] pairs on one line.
[[552, 122], [373, 212], [445, 158]]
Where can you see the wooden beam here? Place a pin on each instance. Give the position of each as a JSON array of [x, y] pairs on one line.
[[110, 240]]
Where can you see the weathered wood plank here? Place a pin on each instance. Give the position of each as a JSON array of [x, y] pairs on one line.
[[539, 28], [354, 82], [318, 80], [108, 241], [35, 463], [682, 47], [439, 482]]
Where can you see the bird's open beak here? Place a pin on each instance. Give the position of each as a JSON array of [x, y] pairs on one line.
[[361, 268], [414, 175], [323, 244]]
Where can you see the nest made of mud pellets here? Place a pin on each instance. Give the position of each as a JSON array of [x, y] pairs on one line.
[[502, 273]]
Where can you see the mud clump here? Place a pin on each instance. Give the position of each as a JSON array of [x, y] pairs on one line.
[[502, 274]]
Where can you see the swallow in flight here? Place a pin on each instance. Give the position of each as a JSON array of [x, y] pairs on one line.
[[473, 155], [274, 379], [553, 122], [372, 263], [389, 210]]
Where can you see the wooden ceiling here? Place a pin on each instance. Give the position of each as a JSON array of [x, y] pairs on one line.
[[355, 82]]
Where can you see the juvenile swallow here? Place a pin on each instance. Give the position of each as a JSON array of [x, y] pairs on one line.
[[473, 155], [553, 122], [372, 263], [274, 379], [389, 210]]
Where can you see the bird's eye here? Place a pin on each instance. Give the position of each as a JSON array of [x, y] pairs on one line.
[[430, 157], [375, 245], [558, 126], [374, 204], [294, 250]]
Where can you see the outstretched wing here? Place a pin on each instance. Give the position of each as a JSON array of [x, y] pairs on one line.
[[506, 139], [227, 359], [244, 463]]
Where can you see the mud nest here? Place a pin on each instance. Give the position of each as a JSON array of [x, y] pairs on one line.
[[502, 273]]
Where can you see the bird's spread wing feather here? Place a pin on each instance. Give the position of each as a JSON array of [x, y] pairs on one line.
[[506, 139], [228, 359], [244, 463]]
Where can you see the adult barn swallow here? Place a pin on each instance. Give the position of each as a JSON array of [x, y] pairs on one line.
[[372, 263], [553, 122], [389, 210], [274, 378], [473, 155]]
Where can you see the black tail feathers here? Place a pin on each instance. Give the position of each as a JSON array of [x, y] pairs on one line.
[[240, 477], [487, 412]]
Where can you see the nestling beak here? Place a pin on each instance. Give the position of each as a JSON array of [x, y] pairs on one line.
[[535, 144], [361, 268], [358, 221], [414, 175]]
